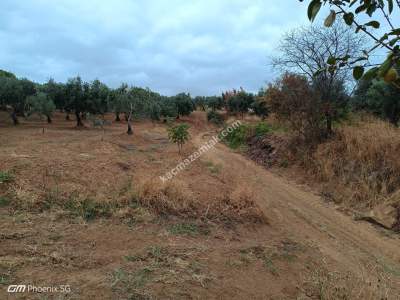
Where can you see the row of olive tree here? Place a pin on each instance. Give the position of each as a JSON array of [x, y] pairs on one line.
[[22, 97]]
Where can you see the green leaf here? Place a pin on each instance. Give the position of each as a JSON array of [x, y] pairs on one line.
[[358, 72], [361, 8], [390, 6], [330, 19], [392, 42], [331, 60], [348, 18], [374, 24], [313, 9]]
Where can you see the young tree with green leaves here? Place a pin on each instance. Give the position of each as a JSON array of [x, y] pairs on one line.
[[179, 135]]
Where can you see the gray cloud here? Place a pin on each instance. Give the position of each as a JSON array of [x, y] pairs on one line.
[[202, 47]]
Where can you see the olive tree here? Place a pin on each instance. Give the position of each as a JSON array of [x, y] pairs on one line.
[[42, 105], [77, 93], [184, 104], [13, 94]]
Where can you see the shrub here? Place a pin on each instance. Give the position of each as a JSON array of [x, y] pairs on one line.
[[262, 129], [240, 135], [294, 102], [214, 117], [237, 137], [260, 107]]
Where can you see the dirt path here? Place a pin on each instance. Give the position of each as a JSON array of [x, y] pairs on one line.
[[306, 217]]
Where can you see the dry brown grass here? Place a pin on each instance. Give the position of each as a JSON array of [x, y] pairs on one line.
[[364, 158], [369, 282], [174, 198]]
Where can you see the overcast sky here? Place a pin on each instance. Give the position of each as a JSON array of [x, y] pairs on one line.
[[202, 47]]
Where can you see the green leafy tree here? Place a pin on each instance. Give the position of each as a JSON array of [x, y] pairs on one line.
[[56, 92], [78, 95], [240, 102], [13, 93], [260, 107], [117, 102], [10, 95], [184, 104], [214, 102], [154, 110], [42, 105], [383, 99], [168, 107], [7, 74], [200, 102], [179, 135], [363, 16], [98, 97]]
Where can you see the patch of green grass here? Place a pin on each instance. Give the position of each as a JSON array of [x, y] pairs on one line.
[[6, 273], [188, 229], [259, 253], [129, 281], [141, 277], [157, 253], [6, 177], [4, 279], [4, 201], [133, 258], [88, 209], [269, 264]]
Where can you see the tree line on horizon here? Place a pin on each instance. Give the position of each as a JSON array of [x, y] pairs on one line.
[[22, 98]]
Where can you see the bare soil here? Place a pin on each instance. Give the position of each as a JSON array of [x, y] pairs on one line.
[[307, 249]]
